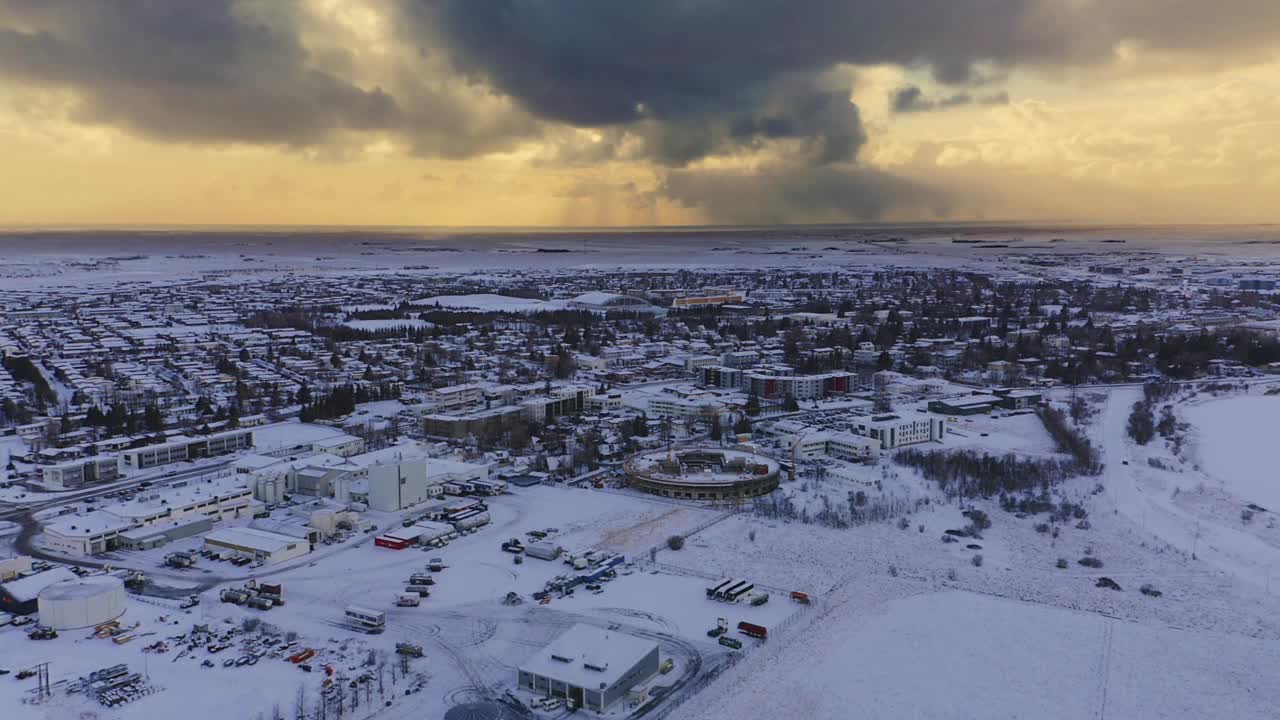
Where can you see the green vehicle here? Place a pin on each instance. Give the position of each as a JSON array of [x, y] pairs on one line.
[[733, 643]]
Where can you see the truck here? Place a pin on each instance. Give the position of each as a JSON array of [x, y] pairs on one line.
[[404, 648], [234, 596], [513, 546], [759, 598], [732, 643], [408, 599], [419, 590], [800, 597], [752, 630], [543, 550], [421, 579], [471, 522]]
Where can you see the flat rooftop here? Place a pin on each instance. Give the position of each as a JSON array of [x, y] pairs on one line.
[[587, 657]]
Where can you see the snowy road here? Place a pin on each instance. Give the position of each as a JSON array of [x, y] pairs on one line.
[[1236, 553]]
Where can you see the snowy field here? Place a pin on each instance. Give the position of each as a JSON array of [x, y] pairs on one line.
[[1237, 445], [966, 655]]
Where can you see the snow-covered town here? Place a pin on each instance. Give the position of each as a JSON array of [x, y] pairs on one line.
[[776, 477]]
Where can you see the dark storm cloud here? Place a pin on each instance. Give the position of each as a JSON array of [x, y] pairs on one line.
[[182, 70], [911, 98], [794, 194]]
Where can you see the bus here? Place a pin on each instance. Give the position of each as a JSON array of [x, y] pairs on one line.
[[370, 620]]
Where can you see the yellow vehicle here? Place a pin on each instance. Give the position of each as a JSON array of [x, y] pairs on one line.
[[666, 666]]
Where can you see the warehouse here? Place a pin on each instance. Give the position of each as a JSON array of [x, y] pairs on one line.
[[88, 534], [965, 405], [590, 667], [269, 547], [154, 536], [20, 596]]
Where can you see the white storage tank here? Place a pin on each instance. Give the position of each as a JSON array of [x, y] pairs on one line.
[[83, 602], [326, 521]]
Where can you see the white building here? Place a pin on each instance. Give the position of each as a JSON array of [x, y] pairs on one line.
[[590, 667], [75, 473], [694, 406], [901, 429], [604, 402], [218, 501], [187, 448], [341, 445], [812, 444], [455, 397], [261, 545], [89, 534]]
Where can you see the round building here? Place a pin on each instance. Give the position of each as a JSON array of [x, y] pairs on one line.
[[81, 603], [703, 473]]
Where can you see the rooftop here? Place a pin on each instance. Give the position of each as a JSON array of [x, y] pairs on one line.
[[588, 657]]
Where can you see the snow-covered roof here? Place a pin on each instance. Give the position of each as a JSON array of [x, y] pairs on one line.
[[588, 657], [260, 540], [28, 588]]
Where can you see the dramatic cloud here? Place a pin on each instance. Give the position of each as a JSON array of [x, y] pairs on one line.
[[911, 98], [708, 94], [799, 195], [183, 70]]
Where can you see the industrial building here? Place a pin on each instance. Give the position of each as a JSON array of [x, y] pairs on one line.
[[269, 547], [88, 534], [154, 536], [219, 500], [20, 596], [590, 667]]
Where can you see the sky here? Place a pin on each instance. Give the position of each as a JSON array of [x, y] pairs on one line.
[[662, 112]]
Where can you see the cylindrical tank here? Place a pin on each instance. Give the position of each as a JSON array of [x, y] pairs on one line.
[[82, 602], [326, 521]]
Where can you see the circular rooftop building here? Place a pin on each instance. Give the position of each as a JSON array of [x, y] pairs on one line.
[[703, 473], [81, 603]]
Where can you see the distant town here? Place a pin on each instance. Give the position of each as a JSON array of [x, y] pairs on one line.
[[403, 491]]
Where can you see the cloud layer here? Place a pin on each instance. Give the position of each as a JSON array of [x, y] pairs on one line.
[[728, 101]]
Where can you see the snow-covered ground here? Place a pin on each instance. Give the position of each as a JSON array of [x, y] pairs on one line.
[[1237, 445], [1150, 497], [967, 655]]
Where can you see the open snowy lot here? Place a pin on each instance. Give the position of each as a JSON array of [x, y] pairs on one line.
[[1237, 445], [966, 655]]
